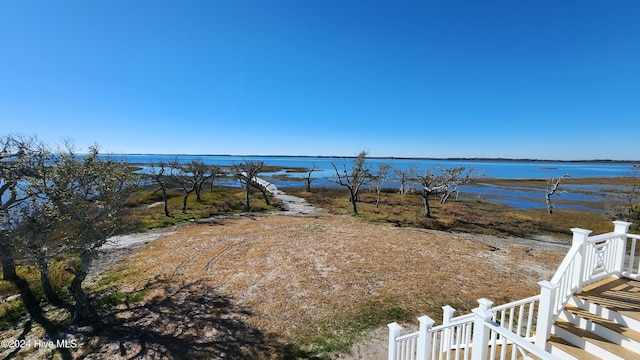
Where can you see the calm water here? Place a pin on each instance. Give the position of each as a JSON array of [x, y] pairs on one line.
[[575, 196], [490, 169]]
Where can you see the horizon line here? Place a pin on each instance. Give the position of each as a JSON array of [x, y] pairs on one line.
[[394, 157]]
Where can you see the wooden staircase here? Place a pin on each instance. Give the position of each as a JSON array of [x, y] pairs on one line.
[[586, 311], [602, 322]]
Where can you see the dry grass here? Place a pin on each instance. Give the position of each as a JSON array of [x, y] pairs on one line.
[[312, 280], [480, 217]]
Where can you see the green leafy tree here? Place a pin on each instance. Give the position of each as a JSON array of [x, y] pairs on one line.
[[19, 157], [88, 193]]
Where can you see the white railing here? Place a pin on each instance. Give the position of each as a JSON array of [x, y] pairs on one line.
[[512, 328], [590, 259], [631, 266], [506, 345], [454, 338]]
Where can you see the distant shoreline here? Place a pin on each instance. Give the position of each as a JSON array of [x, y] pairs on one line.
[[475, 159]]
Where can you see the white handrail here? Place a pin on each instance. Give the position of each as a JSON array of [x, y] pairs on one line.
[[518, 342], [589, 259]]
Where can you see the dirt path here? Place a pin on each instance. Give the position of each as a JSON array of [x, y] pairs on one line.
[[294, 205]]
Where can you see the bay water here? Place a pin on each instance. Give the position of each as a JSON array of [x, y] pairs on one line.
[[572, 196]]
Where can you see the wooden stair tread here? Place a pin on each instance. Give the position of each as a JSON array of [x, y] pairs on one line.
[[620, 289], [600, 283], [623, 330], [621, 295], [596, 340], [568, 347]]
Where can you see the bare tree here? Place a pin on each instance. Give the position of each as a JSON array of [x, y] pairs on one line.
[[191, 178], [309, 179], [453, 178], [202, 174], [552, 187], [402, 177], [355, 179], [247, 173], [378, 180], [88, 193], [429, 184], [163, 174]]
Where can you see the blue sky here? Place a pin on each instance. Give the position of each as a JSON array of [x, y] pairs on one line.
[[515, 79]]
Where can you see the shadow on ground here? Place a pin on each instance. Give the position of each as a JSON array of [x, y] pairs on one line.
[[182, 322]]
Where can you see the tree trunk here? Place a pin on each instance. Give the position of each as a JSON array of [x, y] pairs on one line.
[[263, 191], [353, 200], [82, 307], [184, 202], [166, 202], [43, 266], [427, 208], [198, 188], [378, 199], [246, 198], [308, 184], [8, 264], [548, 201]]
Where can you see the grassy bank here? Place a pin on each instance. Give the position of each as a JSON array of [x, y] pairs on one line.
[[474, 216]]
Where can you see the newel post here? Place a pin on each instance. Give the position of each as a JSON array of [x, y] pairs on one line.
[[580, 239], [546, 307], [447, 314], [394, 333], [480, 332], [447, 336], [424, 338], [621, 228]]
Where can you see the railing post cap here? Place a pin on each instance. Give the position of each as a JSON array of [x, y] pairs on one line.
[[483, 313], [425, 320], [485, 303], [622, 222], [448, 308], [394, 326], [621, 227], [547, 284], [581, 231]]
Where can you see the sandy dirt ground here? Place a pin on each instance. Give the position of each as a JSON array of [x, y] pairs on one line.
[[245, 286]]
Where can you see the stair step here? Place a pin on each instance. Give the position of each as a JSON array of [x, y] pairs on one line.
[[619, 294], [566, 347], [614, 299], [606, 323], [592, 342]]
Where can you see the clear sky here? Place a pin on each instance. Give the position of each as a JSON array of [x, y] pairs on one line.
[[516, 79]]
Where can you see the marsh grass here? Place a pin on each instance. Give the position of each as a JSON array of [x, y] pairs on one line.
[[145, 208], [474, 216]]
